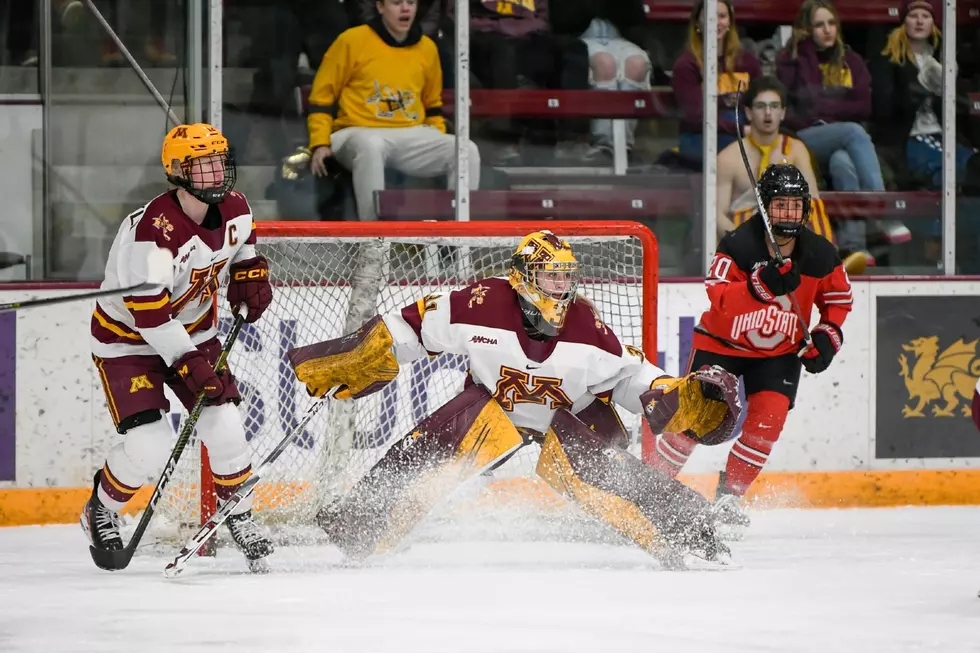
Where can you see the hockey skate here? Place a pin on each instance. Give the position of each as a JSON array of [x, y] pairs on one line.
[[100, 525], [730, 520], [250, 540]]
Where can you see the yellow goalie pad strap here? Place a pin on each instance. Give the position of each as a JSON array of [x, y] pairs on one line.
[[556, 469], [695, 412], [490, 438], [359, 363]]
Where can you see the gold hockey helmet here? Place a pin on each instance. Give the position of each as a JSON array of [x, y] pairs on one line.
[[198, 159], [544, 273]]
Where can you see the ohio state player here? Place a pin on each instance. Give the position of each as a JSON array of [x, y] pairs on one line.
[[752, 331], [142, 342], [544, 367]]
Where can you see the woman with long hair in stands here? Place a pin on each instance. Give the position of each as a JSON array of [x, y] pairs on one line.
[[829, 97], [907, 87], [735, 65]]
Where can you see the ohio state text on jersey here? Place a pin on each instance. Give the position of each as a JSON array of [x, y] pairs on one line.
[[171, 321], [530, 379], [738, 324]]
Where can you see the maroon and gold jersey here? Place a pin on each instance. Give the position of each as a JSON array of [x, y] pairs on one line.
[[738, 324], [170, 321], [530, 379]]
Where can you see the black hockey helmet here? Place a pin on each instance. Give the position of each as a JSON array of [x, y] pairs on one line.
[[784, 180]]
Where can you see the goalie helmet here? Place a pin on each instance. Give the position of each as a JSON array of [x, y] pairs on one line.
[[197, 158], [544, 272], [783, 180]]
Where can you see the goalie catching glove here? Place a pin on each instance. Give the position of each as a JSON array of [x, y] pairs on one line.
[[703, 405], [358, 364]]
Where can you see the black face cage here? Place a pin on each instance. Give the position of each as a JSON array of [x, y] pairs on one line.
[[769, 193], [210, 194]]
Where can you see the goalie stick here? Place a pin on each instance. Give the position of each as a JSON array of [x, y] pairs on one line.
[[120, 559], [158, 264], [804, 323], [210, 528]]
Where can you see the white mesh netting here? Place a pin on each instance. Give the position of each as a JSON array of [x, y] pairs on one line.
[[325, 287]]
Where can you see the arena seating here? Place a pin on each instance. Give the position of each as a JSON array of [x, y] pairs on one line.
[[627, 203], [867, 12]]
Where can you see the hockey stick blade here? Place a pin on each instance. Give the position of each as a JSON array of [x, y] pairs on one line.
[[778, 255], [120, 559], [206, 531]]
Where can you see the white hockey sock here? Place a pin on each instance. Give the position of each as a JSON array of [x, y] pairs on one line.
[[143, 451], [223, 434]]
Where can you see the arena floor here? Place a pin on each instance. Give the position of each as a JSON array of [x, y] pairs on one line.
[[848, 580]]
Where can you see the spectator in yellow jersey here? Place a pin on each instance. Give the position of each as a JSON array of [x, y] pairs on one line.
[[376, 102], [765, 105]]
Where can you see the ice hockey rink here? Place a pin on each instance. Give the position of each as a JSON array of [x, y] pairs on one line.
[[888, 579]]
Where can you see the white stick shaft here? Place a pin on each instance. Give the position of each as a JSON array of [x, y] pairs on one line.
[[218, 518]]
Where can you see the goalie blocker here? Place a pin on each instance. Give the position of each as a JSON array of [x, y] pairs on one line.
[[583, 456]]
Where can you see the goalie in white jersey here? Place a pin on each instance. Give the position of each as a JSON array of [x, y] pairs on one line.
[[142, 342], [544, 367]]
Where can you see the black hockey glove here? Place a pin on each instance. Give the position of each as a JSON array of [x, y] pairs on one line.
[[827, 340], [773, 280]]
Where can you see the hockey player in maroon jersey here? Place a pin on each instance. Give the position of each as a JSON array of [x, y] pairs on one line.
[[752, 331], [543, 367], [169, 337]]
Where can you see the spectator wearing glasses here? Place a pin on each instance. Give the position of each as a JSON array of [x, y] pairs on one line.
[[764, 145]]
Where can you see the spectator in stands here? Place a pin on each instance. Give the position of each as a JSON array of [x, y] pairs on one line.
[[829, 97], [377, 101], [612, 32], [907, 89], [765, 106], [908, 109], [512, 45], [735, 66], [433, 17]]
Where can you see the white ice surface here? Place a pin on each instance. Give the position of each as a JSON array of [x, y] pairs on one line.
[[887, 580]]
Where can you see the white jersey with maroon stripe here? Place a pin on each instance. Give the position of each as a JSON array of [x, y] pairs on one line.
[[172, 320], [530, 379]]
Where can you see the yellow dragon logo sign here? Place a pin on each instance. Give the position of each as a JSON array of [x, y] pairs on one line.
[[949, 376]]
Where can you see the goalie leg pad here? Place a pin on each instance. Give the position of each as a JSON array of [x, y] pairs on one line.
[[360, 363], [653, 510], [461, 439], [603, 420]]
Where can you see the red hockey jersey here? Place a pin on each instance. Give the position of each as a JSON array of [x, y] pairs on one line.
[[738, 324]]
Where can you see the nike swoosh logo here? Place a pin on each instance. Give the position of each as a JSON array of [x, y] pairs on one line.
[[533, 367]]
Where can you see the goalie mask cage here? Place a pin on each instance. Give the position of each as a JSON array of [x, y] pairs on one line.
[[328, 279]]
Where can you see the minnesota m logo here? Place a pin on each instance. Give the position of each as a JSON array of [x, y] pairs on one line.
[[517, 387], [140, 383]]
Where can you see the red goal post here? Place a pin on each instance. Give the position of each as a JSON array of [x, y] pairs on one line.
[[328, 278]]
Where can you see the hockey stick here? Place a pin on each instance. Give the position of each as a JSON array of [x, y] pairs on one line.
[[47, 301], [158, 264], [116, 560], [780, 259], [210, 528]]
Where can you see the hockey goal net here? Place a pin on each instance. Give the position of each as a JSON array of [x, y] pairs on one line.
[[329, 278]]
